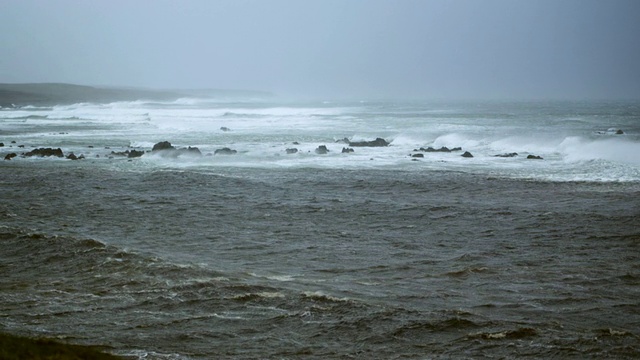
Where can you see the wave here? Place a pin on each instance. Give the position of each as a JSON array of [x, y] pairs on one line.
[[613, 149]]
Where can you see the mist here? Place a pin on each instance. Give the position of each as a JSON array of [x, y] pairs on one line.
[[465, 49]]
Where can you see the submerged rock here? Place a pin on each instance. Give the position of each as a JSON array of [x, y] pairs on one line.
[[507, 155], [322, 149], [225, 151], [378, 142], [45, 152], [534, 157], [417, 155], [291, 150]]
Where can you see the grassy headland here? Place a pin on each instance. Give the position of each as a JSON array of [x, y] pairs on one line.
[[21, 348], [50, 94]]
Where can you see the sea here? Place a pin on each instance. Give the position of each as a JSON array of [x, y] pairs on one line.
[[302, 240]]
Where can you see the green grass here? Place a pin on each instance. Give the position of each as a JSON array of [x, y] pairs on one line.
[[22, 348]]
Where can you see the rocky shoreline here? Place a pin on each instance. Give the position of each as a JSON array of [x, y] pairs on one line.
[[166, 149]]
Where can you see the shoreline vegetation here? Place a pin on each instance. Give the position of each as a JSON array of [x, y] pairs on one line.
[[14, 347], [50, 94]]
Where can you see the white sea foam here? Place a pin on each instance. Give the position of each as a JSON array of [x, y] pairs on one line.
[[262, 131]]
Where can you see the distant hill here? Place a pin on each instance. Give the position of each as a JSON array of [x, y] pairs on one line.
[[49, 94]]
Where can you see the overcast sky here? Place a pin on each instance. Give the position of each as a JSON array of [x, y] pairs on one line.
[[397, 48]]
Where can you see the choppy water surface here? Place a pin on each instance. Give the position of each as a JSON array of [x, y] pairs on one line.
[[261, 255]]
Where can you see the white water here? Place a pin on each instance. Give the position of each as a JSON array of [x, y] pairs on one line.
[[576, 140]]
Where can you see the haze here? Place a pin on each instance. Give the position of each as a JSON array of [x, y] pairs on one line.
[[575, 49]]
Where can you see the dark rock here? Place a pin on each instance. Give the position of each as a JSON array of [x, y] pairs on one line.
[[343, 140], [191, 151], [347, 150], [417, 155], [13, 142], [322, 149], [134, 153], [72, 156], [20, 146], [375, 143], [442, 149], [1, 144], [163, 145], [292, 151], [619, 132], [295, 143], [467, 154], [225, 151], [224, 128], [45, 152], [10, 156], [535, 157], [507, 155]]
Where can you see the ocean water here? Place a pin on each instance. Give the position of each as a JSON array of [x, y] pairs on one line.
[[375, 253]]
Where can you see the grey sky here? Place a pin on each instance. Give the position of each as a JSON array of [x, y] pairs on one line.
[[331, 48]]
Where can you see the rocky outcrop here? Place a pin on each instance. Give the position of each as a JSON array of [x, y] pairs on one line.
[[134, 153], [166, 149], [45, 152], [163, 145], [73, 156], [347, 150], [467, 154], [10, 156], [322, 149], [417, 155], [442, 149], [225, 151], [378, 142], [534, 157]]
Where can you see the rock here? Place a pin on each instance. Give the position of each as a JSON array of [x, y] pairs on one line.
[[225, 151], [322, 149], [417, 155], [467, 154], [292, 151], [163, 145], [442, 149], [535, 157], [295, 143], [347, 150], [224, 128], [1, 144], [134, 153], [619, 132], [343, 140], [72, 156], [375, 143], [507, 155], [10, 156], [45, 152]]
